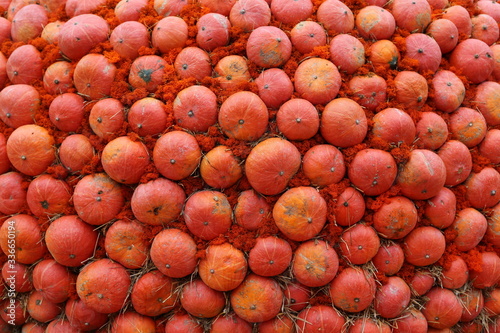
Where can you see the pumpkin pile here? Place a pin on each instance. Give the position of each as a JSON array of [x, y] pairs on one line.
[[250, 166]]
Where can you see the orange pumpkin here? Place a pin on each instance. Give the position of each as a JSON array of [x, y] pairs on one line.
[[411, 88], [297, 119], [51, 31], [353, 289], [232, 71], [468, 126], [128, 37], [213, 31], [30, 149], [219, 168], [336, 17], [251, 210], [12, 193], [130, 321], [29, 246], [41, 309], [317, 80], [174, 253], [432, 131], [275, 87], [193, 62], [208, 214], [291, 12], [127, 10], [48, 196], [412, 15], [323, 165], [124, 160], [223, 268], [244, 116], [28, 23], [18, 105], [347, 53], [384, 53], [268, 46], [147, 72], [343, 123], [424, 246], [202, 301], [75, 152], [169, 7], [422, 176], [97, 198], [150, 205], [71, 241], [176, 155], [93, 76], [372, 171], [369, 90], [169, 33], [81, 316], [445, 33], [195, 108], [396, 218], [125, 242], [103, 285], [67, 112], [307, 35], [147, 116], [315, 263], [300, 213], [375, 23], [107, 117], [154, 294], [250, 14], [57, 78], [24, 65]]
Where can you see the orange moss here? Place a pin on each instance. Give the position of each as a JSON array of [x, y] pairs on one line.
[[143, 50], [322, 51], [149, 16], [374, 204], [100, 251], [57, 171], [479, 162], [269, 228], [191, 184], [320, 298], [333, 233], [241, 238], [473, 259], [299, 179], [102, 47], [9, 46], [316, 4], [459, 192], [450, 255], [50, 52], [377, 142], [407, 272], [381, 277], [350, 153], [58, 14], [401, 153], [107, 12]]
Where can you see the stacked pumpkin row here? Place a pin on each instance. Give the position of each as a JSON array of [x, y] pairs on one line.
[[236, 165]]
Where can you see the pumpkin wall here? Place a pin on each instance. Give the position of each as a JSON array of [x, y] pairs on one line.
[[250, 166]]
